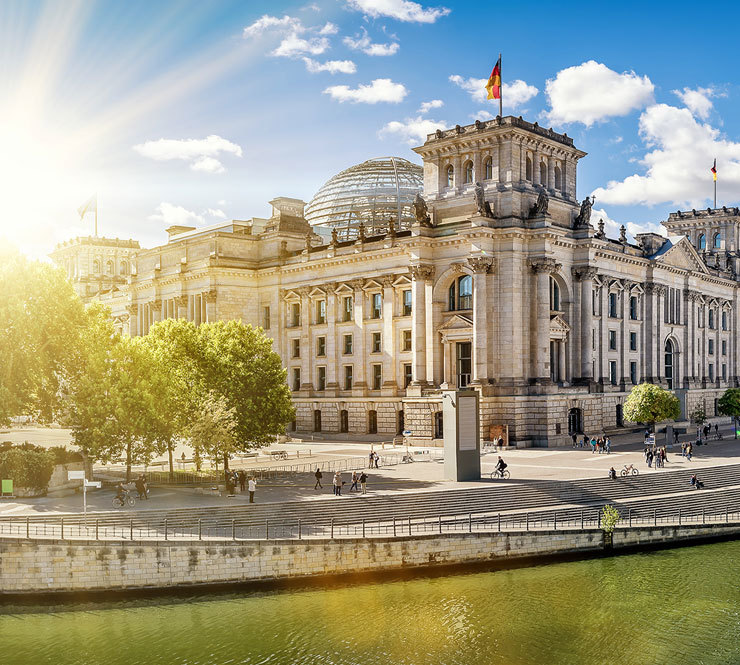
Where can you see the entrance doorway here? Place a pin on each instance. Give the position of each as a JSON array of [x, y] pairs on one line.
[[575, 421], [669, 364], [438, 425], [464, 363]]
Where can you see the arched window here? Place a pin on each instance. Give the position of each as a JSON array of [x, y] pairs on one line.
[[468, 171], [489, 168], [96, 267], [554, 295], [450, 176], [711, 319], [124, 267], [109, 267], [543, 174], [669, 363], [717, 241], [702, 243], [558, 178], [528, 174], [461, 293]]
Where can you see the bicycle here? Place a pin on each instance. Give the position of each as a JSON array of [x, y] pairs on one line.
[[120, 502], [505, 475], [629, 469], [279, 454]]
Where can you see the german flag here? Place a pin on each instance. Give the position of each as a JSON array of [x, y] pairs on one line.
[[494, 82], [714, 169]]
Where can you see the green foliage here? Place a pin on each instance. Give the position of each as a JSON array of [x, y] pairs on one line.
[[213, 431], [648, 403], [698, 415], [609, 518], [729, 403], [63, 456], [27, 467], [41, 319]]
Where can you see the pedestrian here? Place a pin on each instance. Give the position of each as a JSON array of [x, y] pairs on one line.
[[372, 457], [141, 487], [612, 474], [229, 485], [683, 448], [675, 436], [689, 448], [242, 480], [252, 488], [363, 482], [500, 442], [574, 438], [353, 486], [584, 441], [377, 459], [318, 475], [649, 459], [337, 484], [593, 445], [608, 445], [716, 430]]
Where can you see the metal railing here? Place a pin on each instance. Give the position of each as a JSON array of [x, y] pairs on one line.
[[136, 529]]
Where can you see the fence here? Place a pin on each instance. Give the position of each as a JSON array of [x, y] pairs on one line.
[[173, 529]]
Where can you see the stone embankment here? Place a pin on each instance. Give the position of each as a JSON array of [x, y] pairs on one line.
[[44, 566]]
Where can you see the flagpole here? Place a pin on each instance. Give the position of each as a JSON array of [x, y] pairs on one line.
[[715, 185], [501, 88]]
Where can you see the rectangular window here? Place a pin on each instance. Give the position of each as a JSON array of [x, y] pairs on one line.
[[296, 378], [407, 375], [296, 348], [321, 378], [633, 373], [377, 306], [321, 346], [711, 372], [711, 347], [407, 303], [633, 308], [724, 320], [347, 308], [348, 344], [321, 311], [266, 318], [724, 348], [594, 297], [376, 342], [613, 305], [724, 372], [612, 340], [633, 341], [348, 377], [377, 376], [295, 314], [613, 372], [406, 340]]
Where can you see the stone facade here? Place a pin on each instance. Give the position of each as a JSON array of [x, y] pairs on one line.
[[508, 288]]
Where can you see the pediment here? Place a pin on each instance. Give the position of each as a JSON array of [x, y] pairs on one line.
[[457, 322], [401, 280], [558, 325], [683, 255], [316, 292], [372, 285], [344, 288], [290, 294]]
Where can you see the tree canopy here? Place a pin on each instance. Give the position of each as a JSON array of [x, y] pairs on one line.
[[729, 403], [648, 403]]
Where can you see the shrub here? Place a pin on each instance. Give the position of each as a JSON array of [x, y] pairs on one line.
[[64, 456], [609, 518], [27, 468]]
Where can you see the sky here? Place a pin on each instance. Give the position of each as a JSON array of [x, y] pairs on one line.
[[193, 112]]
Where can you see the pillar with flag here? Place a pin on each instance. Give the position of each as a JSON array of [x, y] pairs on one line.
[[714, 177], [494, 86], [91, 205]]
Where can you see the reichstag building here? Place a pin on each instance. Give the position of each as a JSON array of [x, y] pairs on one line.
[[480, 269]]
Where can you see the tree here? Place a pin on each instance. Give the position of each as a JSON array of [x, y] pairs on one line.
[[648, 403], [729, 405], [41, 319], [213, 431], [698, 415]]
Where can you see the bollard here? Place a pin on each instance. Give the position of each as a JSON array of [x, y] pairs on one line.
[[165, 528], [655, 517], [332, 527], [28, 528], [62, 523], [679, 517], [598, 520], [439, 517], [727, 515], [267, 529], [499, 522], [299, 529], [703, 517], [409, 525], [394, 526], [233, 529], [200, 529], [581, 520], [470, 522], [363, 527], [527, 521], [630, 516], [554, 521], [131, 529], [97, 524]]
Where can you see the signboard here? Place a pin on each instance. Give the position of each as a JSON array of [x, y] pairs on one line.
[[93, 483], [75, 475], [467, 408], [650, 441], [7, 486]]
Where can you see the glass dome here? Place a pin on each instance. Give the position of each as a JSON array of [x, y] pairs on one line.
[[371, 193]]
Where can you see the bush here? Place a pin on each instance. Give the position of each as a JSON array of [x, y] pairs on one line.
[[27, 468], [64, 456]]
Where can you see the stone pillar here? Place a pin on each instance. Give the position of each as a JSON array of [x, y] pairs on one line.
[[331, 338], [181, 307], [457, 165], [390, 382], [447, 369], [542, 268], [478, 174], [604, 331], [420, 274], [481, 266], [133, 322], [688, 333], [210, 298], [561, 359], [306, 350], [359, 383], [624, 356], [660, 295], [536, 167], [651, 371], [551, 174], [585, 275]]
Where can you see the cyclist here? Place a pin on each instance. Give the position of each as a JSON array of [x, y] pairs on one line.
[[612, 474], [501, 466], [121, 494]]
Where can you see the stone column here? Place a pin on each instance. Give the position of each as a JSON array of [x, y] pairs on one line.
[[624, 356], [156, 309], [651, 371], [210, 298], [331, 338], [181, 307], [542, 268], [420, 274], [585, 275], [688, 333], [359, 383], [522, 161], [536, 167], [660, 295], [457, 165], [604, 331], [447, 369], [134, 322], [561, 359], [390, 381], [478, 175], [481, 266], [306, 355], [550, 173], [718, 346]]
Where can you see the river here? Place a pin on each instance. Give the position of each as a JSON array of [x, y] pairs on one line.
[[669, 607]]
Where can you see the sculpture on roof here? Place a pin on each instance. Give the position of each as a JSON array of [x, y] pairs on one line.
[[584, 216], [540, 207], [421, 211]]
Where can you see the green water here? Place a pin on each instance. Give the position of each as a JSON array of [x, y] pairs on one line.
[[671, 607]]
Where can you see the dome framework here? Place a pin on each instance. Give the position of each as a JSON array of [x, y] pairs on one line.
[[371, 193]]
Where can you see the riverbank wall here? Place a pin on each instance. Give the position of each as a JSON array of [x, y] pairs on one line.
[[48, 566]]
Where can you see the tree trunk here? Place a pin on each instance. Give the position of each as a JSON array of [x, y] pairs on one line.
[[128, 462], [169, 454], [226, 461]]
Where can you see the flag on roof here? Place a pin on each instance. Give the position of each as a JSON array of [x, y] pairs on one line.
[[714, 170], [494, 82]]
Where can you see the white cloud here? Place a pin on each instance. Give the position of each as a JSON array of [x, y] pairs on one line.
[[681, 151], [329, 29], [698, 101], [403, 10], [590, 92], [293, 45], [267, 22], [379, 90], [201, 153], [482, 115], [428, 106], [612, 227], [173, 215], [331, 66], [412, 130], [363, 43], [215, 212], [514, 94]]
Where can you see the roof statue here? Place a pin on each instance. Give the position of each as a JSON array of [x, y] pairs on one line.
[[540, 207], [421, 212], [584, 216]]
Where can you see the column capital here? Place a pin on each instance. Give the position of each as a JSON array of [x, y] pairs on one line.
[[181, 301], [356, 284], [544, 264], [657, 289], [155, 306], [387, 281], [421, 271], [482, 264], [584, 273], [132, 308], [303, 291], [210, 296]]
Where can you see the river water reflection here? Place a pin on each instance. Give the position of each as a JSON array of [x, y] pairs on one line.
[[670, 607]]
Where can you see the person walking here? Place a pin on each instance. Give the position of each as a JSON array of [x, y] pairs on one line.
[[318, 475], [608, 445], [252, 488], [584, 441], [363, 482], [353, 486], [372, 457], [574, 438], [593, 445], [141, 487], [242, 480], [337, 484], [675, 437], [689, 449], [377, 459]]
